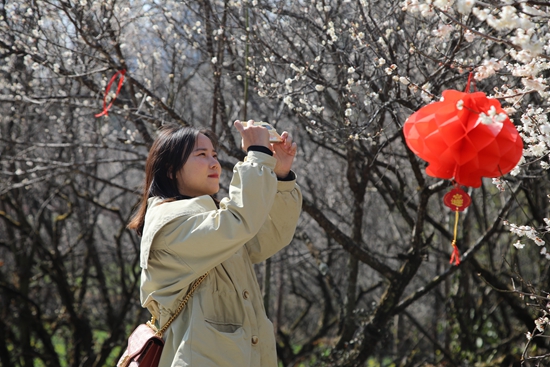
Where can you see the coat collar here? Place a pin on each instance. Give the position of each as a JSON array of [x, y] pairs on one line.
[[159, 213]]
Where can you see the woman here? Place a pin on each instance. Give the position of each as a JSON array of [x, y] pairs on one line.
[[186, 233]]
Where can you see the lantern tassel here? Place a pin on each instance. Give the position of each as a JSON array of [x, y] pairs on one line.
[[455, 256]]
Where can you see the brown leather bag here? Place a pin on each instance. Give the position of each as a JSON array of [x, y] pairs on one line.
[[145, 343], [144, 348]]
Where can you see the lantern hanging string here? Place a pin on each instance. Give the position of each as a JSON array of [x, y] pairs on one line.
[[470, 80]]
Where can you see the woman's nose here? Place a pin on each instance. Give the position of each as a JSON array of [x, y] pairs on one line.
[[214, 163]]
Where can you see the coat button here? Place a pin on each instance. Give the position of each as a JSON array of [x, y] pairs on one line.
[[255, 339], [246, 294]]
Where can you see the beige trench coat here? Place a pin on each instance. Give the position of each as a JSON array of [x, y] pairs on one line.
[[224, 323]]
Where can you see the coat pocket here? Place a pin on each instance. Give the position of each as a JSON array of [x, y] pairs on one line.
[[223, 327], [213, 347]]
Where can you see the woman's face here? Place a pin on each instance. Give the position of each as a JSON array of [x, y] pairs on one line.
[[200, 175]]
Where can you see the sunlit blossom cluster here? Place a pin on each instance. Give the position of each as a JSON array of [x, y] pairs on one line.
[[541, 323], [491, 116], [535, 132], [531, 233], [500, 183], [488, 68], [506, 18], [443, 31]]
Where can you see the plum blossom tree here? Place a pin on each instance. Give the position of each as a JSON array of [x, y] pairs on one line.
[[367, 278]]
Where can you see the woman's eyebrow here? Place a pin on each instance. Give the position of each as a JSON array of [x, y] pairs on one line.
[[203, 150]]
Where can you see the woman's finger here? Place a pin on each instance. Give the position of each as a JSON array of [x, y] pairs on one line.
[[238, 124], [288, 140]]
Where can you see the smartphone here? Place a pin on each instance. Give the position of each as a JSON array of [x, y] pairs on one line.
[[274, 136]]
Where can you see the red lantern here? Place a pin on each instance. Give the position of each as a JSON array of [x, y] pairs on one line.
[[463, 137]]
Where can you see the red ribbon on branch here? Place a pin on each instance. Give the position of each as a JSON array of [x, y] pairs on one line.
[[106, 107]]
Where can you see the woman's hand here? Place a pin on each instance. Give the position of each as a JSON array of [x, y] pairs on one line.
[[253, 135], [284, 152]]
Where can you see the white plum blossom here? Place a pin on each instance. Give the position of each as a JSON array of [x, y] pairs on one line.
[[492, 116], [443, 30], [426, 97], [545, 253], [469, 36], [442, 4], [485, 119], [541, 323], [538, 150], [516, 170], [389, 70], [296, 68], [530, 46], [529, 232], [523, 230], [411, 6], [465, 6], [538, 84], [487, 69], [332, 33], [530, 69], [317, 109], [481, 14], [263, 70], [499, 183], [523, 56], [425, 93], [288, 101], [507, 19], [426, 10]]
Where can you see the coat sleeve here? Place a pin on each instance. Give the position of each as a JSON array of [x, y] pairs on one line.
[[278, 230]]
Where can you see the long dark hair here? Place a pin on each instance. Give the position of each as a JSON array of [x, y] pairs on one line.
[[167, 155]]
